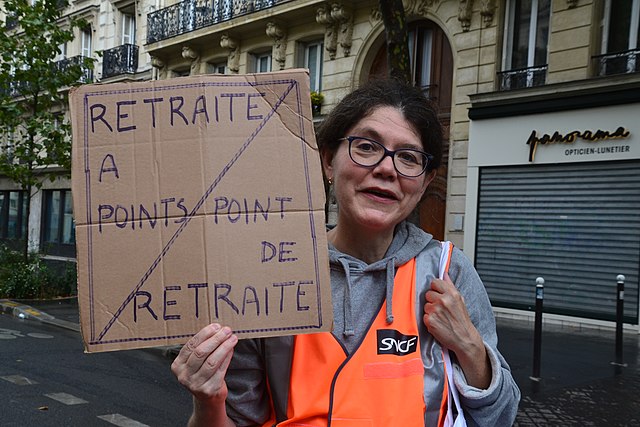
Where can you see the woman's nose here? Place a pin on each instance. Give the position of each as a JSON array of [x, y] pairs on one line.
[[386, 167]]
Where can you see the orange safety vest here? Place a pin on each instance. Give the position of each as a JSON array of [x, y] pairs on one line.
[[380, 384]]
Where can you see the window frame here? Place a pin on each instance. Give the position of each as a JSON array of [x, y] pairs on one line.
[[510, 20], [619, 59], [214, 68], [634, 25], [22, 221], [55, 245], [515, 76], [421, 47], [315, 78], [86, 42], [257, 58], [128, 33]]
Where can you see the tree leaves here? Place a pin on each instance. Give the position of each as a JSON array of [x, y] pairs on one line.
[[34, 84]]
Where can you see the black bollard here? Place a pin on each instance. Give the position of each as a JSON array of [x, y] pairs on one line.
[[537, 334], [619, 318]]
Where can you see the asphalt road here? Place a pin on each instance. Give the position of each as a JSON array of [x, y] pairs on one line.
[[46, 379]]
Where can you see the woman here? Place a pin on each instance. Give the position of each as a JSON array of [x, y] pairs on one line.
[[383, 361]]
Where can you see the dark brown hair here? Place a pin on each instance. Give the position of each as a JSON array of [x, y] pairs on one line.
[[419, 111]]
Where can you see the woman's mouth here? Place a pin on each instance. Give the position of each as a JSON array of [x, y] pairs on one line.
[[380, 193]]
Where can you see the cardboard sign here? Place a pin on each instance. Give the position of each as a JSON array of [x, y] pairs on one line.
[[198, 200]]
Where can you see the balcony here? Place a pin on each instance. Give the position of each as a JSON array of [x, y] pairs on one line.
[[21, 88], [190, 15], [524, 77], [120, 60], [64, 64], [618, 63]]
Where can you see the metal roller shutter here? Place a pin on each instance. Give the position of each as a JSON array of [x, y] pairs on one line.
[[577, 225]]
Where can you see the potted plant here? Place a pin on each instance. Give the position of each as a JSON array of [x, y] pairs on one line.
[[316, 102]]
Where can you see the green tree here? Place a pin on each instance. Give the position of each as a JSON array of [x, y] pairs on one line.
[[35, 140], [395, 25]]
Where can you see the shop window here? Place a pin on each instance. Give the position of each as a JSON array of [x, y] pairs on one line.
[[620, 49], [313, 62], [13, 215], [260, 63], [58, 230], [526, 40]]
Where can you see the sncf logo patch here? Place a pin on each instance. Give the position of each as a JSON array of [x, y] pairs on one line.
[[391, 341]]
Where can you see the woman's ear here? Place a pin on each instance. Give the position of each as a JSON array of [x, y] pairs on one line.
[[326, 157], [428, 177]]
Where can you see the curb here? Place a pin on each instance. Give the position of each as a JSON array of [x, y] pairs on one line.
[[24, 311]]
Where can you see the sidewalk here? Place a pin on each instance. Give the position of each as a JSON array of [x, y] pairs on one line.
[[578, 386]]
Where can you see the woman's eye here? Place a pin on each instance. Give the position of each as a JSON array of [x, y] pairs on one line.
[[408, 157], [365, 146]]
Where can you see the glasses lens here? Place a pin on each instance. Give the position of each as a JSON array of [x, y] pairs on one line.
[[365, 152], [410, 162]]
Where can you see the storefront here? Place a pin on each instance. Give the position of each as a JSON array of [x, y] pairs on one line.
[[553, 191]]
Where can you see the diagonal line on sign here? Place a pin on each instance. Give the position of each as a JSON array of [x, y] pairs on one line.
[[193, 212]]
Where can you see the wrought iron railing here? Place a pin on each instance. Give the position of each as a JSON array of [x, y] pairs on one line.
[[17, 88], [524, 77], [120, 60], [618, 63], [64, 64], [191, 15]]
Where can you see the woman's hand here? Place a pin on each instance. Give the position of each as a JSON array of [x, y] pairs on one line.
[[201, 367], [447, 319]]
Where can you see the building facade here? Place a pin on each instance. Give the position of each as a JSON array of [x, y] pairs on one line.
[[537, 98]]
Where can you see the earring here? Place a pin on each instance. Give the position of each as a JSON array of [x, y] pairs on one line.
[[330, 181]]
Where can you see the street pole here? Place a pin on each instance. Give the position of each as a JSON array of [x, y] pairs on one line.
[[619, 320], [537, 334]]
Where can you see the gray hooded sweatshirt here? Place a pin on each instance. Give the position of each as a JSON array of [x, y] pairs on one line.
[[358, 292]]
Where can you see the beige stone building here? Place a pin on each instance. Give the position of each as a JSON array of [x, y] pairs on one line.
[[540, 99]]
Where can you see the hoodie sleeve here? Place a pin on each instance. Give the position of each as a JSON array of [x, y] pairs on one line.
[[497, 405], [248, 399]]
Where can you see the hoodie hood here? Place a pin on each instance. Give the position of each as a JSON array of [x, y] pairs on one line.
[[408, 241]]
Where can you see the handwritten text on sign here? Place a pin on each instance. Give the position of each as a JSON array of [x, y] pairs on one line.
[[198, 200]]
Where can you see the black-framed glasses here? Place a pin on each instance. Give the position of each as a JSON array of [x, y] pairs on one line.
[[369, 153]]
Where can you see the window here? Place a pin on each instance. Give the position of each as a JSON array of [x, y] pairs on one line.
[[58, 230], [13, 214], [128, 29], [526, 39], [62, 48], [420, 53], [85, 42], [313, 61], [217, 68], [620, 50], [262, 63], [182, 72]]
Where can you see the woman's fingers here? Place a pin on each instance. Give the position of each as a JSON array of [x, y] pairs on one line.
[[202, 362], [445, 313]]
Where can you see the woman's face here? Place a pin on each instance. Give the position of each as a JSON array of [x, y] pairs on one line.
[[376, 198]]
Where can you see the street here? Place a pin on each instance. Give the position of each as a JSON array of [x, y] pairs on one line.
[[46, 379]]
